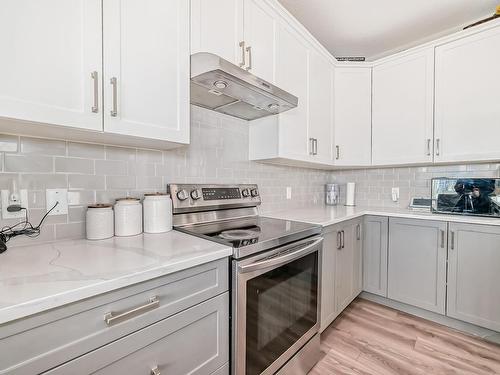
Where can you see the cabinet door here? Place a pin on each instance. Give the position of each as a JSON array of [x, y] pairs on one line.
[[50, 70], [467, 92], [352, 113], [292, 58], [375, 241], [417, 263], [348, 265], [328, 255], [474, 274], [217, 27], [259, 34], [321, 106], [146, 54], [403, 103]]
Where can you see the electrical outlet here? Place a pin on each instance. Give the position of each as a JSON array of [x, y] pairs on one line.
[[9, 198], [395, 194], [57, 195], [288, 192]]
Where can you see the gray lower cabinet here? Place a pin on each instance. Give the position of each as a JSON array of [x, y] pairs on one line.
[[375, 245], [194, 341], [474, 274], [348, 276], [341, 278], [417, 263], [57, 336]]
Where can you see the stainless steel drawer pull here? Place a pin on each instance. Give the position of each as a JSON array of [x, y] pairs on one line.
[[452, 240], [428, 147], [311, 146], [338, 152], [155, 371], [442, 238], [358, 232], [315, 146], [114, 111], [438, 141], [95, 77], [339, 240], [112, 318], [243, 56], [249, 50], [342, 238]]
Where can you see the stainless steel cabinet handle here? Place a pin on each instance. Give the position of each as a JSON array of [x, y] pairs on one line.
[[358, 232], [428, 147], [339, 240], [311, 146], [155, 371], [452, 244], [95, 77], [315, 146], [442, 238], [249, 50], [342, 238], [337, 148], [114, 111], [438, 141], [112, 318], [243, 56]]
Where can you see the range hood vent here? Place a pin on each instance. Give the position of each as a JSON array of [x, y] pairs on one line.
[[221, 86]]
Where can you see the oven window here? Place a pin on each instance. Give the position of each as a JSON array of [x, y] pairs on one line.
[[281, 307]]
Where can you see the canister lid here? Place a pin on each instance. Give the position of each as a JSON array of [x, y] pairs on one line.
[[127, 199], [100, 205]]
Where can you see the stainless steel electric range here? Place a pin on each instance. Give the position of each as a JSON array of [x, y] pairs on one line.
[[274, 272]]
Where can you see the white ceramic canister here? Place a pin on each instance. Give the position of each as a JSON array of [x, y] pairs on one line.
[[128, 217], [99, 221], [157, 213]]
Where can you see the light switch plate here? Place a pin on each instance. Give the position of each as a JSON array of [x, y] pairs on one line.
[[23, 201], [57, 195], [288, 192]]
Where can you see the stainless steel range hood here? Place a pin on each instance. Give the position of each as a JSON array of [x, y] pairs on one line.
[[224, 87]]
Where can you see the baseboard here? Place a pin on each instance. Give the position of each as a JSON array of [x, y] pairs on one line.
[[459, 325]]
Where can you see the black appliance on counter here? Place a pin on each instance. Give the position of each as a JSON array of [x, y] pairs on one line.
[[466, 196]]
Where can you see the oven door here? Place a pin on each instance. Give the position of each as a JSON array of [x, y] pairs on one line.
[[275, 306]]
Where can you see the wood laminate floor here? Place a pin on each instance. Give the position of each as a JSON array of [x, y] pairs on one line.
[[371, 339]]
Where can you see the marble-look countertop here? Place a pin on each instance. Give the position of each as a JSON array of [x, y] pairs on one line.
[[36, 278], [329, 215]]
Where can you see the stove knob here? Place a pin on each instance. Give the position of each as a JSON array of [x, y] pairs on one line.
[[195, 194], [182, 195], [245, 193], [254, 192]]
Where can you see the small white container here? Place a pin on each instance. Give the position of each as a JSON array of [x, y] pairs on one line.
[[128, 217], [99, 221], [350, 199], [157, 213]]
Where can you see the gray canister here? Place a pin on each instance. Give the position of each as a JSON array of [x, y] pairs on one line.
[[332, 194]]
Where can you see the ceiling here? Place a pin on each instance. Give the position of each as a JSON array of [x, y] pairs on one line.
[[375, 28]]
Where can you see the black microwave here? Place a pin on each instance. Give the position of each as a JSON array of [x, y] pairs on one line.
[[466, 196]]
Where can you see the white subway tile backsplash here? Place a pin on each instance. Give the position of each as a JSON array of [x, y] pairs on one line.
[[40, 146], [218, 153]]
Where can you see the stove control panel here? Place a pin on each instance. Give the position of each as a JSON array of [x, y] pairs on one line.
[[200, 197]]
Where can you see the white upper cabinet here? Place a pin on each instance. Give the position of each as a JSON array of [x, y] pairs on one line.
[[402, 112], [51, 65], [260, 23], [321, 107], [217, 27], [292, 58], [146, 68], [467, 98], [352, 116]]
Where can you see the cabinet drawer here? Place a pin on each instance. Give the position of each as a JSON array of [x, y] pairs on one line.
[[194, 341], [79, 328]]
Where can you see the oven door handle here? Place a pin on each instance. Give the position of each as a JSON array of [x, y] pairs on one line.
[[286, 257]]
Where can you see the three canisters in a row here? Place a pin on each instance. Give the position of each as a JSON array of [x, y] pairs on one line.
[[129, 217]]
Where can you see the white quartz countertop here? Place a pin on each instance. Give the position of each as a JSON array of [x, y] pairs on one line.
[[329, 215], [36, 278]]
